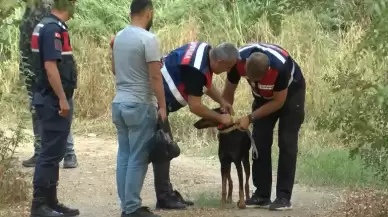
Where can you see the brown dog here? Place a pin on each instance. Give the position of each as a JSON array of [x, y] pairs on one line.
[[233, 146]]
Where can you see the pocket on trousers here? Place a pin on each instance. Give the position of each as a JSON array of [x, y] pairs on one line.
[[136, 114], [50, 119]]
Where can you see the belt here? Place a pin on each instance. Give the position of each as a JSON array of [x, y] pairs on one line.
[[68, 92]]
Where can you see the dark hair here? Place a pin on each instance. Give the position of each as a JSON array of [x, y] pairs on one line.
[[138, 6], [257, 65], [63, 4]]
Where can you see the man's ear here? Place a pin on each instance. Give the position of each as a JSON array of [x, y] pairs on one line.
[[203, 123]]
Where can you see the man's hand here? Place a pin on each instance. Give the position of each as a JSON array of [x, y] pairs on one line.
[[227, 107], [226, 119], [162, 113], [112, 39], [243, 123], [64, 108]]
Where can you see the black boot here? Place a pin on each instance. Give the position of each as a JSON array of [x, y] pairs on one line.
[[40, 208], [70, 161], [179, 196], [30, 162], [55, 205], [170, 202]]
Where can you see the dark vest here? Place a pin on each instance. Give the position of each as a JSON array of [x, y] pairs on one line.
[[67, 67], [278, 57]]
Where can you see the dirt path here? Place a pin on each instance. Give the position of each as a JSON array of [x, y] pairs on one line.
[[91, 187]]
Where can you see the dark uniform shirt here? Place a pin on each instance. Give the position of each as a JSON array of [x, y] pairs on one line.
[[186, 71], [50, 42]]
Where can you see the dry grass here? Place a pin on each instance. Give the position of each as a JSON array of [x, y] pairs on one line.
[[363, 203], [14, 187]]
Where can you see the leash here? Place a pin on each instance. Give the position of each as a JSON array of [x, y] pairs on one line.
[[235, 127]]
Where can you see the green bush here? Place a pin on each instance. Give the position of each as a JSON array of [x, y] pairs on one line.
[[362, 112]]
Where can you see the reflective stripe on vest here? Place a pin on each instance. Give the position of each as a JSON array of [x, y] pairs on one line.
[[35, 36], [194, 50]]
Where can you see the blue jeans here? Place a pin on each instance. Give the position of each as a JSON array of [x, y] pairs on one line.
[[135, 124], [37, 134]]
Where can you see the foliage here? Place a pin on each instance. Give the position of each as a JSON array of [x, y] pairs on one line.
[[362, 113], [13, 186]]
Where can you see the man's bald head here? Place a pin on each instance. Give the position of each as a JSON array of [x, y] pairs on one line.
[[257, 66]]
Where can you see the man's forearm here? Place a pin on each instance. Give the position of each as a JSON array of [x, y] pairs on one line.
[[266, 109], [229, 91], [113, 64], [205, 113], [229, 97], [157, 87], [215, 95], [55, 82]]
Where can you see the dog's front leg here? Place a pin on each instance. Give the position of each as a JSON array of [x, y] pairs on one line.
[[230, 189], [241, 203], [223, 193]]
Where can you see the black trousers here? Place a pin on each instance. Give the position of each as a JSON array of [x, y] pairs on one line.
[[163, 187], [291, 117], [54, 132]]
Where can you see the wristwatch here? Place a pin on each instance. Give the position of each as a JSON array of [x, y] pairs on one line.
[[251, 119]]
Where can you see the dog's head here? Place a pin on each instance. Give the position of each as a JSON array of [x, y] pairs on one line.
[[203, 123]]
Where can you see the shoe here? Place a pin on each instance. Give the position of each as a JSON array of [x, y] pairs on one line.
[[179, 196], [70, 161], [52, 201], [171, 202], [141, 212], [43, 210], [30, 162], [280, 204], [68, 212], [258, 202]]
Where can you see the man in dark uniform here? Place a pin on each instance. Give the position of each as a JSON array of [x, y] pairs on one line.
[[55, 82], [278, 88], [188, 75], [33, 13]]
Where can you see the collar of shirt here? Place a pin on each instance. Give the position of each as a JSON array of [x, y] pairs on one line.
[[60, 21]]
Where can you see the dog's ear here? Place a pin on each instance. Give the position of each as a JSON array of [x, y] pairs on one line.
[[203, 123]]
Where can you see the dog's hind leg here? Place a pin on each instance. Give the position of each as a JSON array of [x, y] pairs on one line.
[[225, 167], [247, 169], [230, 190], [241, 202]]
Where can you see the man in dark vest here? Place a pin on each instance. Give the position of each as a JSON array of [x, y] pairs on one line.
[[187, 76], [55, 81], [278, 88], [33, 13]]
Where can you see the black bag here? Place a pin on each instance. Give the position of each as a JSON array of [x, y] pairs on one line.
[[163, 148]]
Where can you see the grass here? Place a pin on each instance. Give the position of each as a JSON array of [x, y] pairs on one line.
[[14, 188], [210, 199], [332, 167]]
